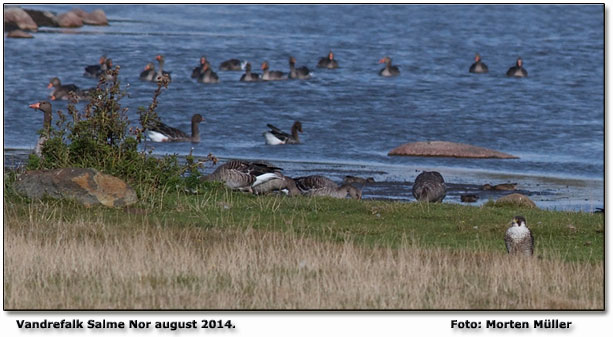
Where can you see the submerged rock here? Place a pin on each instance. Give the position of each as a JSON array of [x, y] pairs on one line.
[[19, 34], [86, 186], [15, 16], [517, 200], [447, 149]]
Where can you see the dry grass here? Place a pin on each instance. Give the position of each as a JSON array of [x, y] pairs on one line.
[[87, 264]]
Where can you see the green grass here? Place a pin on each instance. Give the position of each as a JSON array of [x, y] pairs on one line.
[[571, 236]]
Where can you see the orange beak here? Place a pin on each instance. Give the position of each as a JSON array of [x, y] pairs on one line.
[[35, 105], [147, 67], [53, 97], [158, 57], [50, 85], [101, 60], [382, 60]]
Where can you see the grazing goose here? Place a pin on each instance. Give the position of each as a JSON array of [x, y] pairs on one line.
[[207, 75], [429, 187], [96, 69], [478, 67], [198, 70], [317, 185], [276, 137], [45, 107], [243, 175], [149, 73], [268, 75], [232, 65], [62, 91], [284, 184], [161, 132], [389, 69], [517, 70], [328, 62], [248, 76], [161, 71], [300, 73]]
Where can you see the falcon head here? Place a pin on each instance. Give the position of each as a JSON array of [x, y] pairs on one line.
[[519, 221]]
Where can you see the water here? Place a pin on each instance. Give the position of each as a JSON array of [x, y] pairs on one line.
[[553, 120]]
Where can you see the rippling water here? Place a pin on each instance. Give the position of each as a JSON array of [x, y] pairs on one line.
[[553, 120]]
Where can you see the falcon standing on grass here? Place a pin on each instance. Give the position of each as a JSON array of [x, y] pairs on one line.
[[519, 239]]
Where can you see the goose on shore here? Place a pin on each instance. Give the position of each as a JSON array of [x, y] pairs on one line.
[[429, 187], [160, 132], [317, 185], [45, 107], [232, 65], [248, 76], [328, 62], [277, 137], [518, 69], [478, 67], [300, 73], [268, 75], [389, 69], [62, 91], [285, 184], [243, 175]]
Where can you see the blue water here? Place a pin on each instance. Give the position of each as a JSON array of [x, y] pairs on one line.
[[553, 119]]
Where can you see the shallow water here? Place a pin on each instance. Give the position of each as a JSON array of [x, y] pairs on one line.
[[553, 119]]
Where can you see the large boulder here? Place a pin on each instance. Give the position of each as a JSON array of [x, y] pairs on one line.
[[14, 16], [516, 199], [43, 18], [86, 186], [447, 149], [96, 18], [70, 20]]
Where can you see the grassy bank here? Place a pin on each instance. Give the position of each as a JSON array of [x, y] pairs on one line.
[[224, 249]]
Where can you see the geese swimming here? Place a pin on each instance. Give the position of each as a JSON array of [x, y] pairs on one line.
[[161, 132], [198, 70], [300, 73], [317, 185], [98, 69], [207, 75], [277, 137], [248, 76], [517, 70], [328, 62], [232, 65], [149, 73], [62, 91], [45, 107], [478, 67], [161, 71], [243, 175], [389, 69], [274, 75], [429, 187]]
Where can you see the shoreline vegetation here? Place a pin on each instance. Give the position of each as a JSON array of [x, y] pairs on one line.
[[189, 244]]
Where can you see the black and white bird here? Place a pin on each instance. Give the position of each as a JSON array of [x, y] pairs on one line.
[[160, 132], [518, 69], [478, 67], [302, 73], [277, 137], [248, 76], [244, 175], [232, 65], [429, 187], [271, 75], [518, 238], [328, 62], [389, 69]]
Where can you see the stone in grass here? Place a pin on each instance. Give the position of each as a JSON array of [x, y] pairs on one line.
[[84, 185], [447, 149], [516, 199]]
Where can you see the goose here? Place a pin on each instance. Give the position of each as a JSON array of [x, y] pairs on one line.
[[300, 73], [284, 184], [268, 75], [429, 187], [328, 62], [198, 70], [276, 137], [517, 70], [149, 73], [232, 65], [478, 67], [161, 71], [243, 175], [317, 185], [248, 76], [62, 91], [207, 75], [45, 107], [161, 132], [389, 69], [96, 69]]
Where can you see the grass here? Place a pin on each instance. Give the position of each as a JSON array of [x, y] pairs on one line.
[[228, 250]]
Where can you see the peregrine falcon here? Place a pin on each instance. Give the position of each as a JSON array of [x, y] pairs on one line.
[[518, 238]]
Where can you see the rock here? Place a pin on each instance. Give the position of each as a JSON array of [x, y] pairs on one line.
[[96, 18], [87, 186], [43, 18], [15, 16], [69, 20], [517, 200], [79, 12], [447, 149], [19, 34]]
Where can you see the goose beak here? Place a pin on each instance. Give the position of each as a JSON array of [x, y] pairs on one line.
[[50, 85], [53, 97], [35, 105]]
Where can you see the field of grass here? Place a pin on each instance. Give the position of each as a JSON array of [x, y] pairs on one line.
[[227, 250]]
